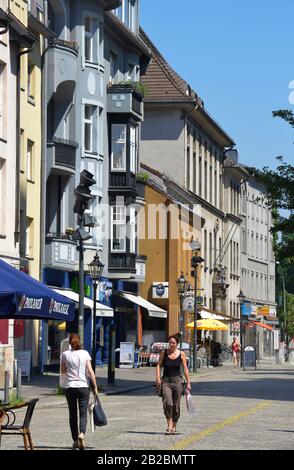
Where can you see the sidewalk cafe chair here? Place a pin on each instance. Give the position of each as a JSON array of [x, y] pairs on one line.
[[8, 426]]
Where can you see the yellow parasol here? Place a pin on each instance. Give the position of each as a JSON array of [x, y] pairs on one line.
[[208, 324], [62, 326]]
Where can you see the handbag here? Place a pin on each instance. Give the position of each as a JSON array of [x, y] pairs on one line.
[[99, 417]]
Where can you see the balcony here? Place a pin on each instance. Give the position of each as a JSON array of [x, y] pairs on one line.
[[62, 67], [61, 156], [122, 180], [122, 264], [124, 98], [60, 253]]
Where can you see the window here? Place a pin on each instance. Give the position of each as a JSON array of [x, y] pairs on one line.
[[118, 228], [131, 72], [30, 156], [88, 127], [90, 31], [113, 67], [133, 149], [31, 81], [126, 13], [29, 237], [132, 230], [118, 147]]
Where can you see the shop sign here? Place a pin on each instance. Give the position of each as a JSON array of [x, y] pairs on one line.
[[160, 290], [188, 304]]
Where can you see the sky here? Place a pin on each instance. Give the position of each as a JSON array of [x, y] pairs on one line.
[[238, 55]]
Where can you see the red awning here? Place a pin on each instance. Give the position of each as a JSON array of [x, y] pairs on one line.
[[263, 325]]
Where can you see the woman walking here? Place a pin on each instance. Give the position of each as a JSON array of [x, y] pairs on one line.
[[171, 382], [76, 364], [236, 352]]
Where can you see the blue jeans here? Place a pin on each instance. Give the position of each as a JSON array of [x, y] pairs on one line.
[[75, 397]]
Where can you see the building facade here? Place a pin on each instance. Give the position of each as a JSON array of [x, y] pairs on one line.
[[257, 266], [94, 111], [181, 140], [21, 137]]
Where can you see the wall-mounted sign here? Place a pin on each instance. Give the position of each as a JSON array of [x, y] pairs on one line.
[[188, 304], [160, 290]]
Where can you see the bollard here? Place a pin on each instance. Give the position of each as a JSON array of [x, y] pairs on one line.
[[18, 384], [6, 387]]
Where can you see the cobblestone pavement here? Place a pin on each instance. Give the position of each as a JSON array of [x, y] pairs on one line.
[[234, 410]]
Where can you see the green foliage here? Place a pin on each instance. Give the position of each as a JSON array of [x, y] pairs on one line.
[[142, 177], [279, 185], [289, 323], [138, 87]]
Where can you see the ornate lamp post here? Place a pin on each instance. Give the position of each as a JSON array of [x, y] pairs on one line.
[[194, 263], [182, 286], [241, 298], [95, 269]]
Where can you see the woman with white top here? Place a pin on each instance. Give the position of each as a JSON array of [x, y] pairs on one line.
[[76, 364]]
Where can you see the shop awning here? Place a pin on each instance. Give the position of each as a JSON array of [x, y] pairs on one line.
[[101, 310], [211, 316], [263, 325], [206, 313], [23, 297], [153, 310]]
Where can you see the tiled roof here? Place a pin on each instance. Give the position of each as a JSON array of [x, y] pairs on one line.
[[162, 82]]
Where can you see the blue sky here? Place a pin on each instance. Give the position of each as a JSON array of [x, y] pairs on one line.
[[239, 57]]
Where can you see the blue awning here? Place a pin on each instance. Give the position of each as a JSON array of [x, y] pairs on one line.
[[21, 296]]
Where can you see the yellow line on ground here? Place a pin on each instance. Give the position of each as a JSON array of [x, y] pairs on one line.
[[184, 443]]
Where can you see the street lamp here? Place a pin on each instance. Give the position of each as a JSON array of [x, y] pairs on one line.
[[284, 301], [241, 298], [95, 269], [182, 286], [194, 263]]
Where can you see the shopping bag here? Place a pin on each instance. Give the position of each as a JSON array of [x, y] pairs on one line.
[[190, 405], [91, 415], [99, 417]]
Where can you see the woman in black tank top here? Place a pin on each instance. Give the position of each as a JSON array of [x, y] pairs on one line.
[[171, 382]]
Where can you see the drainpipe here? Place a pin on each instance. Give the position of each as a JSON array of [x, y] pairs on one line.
[[44, 88], [18, 136]]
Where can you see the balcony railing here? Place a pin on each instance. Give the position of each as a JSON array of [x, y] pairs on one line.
[[73, 45], [63, 155]]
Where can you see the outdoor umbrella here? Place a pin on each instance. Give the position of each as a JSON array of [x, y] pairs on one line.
[[23, 297], [208, 324]]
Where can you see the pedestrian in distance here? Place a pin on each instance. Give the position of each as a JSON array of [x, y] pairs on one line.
[[76, 365], [236, 352], [171, 382]]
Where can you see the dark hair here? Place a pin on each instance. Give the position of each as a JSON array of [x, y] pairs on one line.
[[177, 337], [75, 341]]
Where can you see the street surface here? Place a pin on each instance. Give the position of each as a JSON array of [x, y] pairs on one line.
[[235, 410]]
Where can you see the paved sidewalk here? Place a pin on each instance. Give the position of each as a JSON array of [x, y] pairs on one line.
[[45, 387]]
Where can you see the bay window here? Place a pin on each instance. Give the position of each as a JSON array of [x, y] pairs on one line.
[[118, 228], [132, 230], [133, 149], [118, 147]]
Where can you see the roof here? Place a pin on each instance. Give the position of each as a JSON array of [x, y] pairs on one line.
[[167, 87], [162, 81]]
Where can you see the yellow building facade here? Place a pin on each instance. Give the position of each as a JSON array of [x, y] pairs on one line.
[[167, 257], [30, 134]]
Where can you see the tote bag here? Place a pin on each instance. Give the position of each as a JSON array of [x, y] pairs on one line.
[[99, 417]]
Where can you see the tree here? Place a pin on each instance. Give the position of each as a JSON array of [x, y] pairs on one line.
[[279, 186]]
